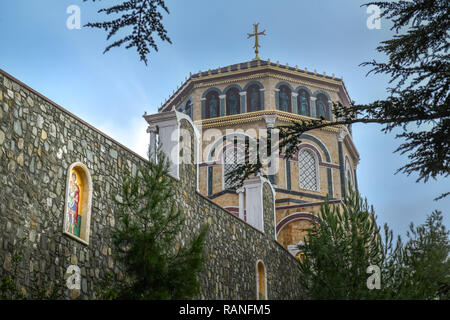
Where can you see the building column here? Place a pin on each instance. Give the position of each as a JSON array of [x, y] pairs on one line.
[[330, 109], [243, 95], [262, 91], [277, 99], [254, 202], [240, 192], [210, 180], [273, 156], [288, 174], [203, 108], [313, 106], [153, 130], [222, 104], [341, 135], [294, 96]]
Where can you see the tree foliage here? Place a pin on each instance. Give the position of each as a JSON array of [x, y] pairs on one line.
[[346, 240], [147, 240], [139, 20]]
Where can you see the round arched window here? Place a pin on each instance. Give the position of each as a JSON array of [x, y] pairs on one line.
[[233, 101], [212, 105], [322, 109]]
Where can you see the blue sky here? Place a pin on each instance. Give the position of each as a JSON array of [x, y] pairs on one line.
[[111, 91]]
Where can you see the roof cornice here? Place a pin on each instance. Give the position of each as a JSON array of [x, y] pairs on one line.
[[259, 68]]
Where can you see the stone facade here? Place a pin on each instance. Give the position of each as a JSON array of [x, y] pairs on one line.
[[39, 141]]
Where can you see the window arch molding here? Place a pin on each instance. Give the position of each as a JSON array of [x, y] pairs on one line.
[[236, 86], [247, 85], [294, 217], [313, 149], [284, 83], [261, 280], [214, 156], [78, 203], [304, 88], [320, 91]]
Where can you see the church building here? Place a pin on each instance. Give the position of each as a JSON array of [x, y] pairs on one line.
[[231, 106]]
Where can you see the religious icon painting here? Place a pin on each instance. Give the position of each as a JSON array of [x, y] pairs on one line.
[[78, 203]]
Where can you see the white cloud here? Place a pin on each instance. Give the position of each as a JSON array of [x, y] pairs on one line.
[[131, 134]]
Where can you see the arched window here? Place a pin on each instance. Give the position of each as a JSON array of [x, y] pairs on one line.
[[303, 101], [308, 170], [284, 99], [233, 102], [232, 157], [261, 281], [322, 107], [349, 175], [78, 203], [188, 108], [253, 98], [212, 105]]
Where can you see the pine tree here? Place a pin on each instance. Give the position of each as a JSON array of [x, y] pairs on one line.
[[338, 249], [346, 240], [147, 239], [423, 270]]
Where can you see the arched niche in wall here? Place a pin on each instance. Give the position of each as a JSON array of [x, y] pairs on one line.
[[261, 281], [77, 207]]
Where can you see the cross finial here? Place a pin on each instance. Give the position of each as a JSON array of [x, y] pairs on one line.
[[256, 34]]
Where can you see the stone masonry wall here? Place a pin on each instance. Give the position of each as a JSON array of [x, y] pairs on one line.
[[40, 140]]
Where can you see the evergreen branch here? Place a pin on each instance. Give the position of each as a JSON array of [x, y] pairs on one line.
[[144, 19]]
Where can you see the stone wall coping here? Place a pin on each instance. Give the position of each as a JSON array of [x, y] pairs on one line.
[[20, 83], [229, 213]]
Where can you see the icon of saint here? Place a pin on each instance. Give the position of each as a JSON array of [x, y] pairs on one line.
[[73, 203]]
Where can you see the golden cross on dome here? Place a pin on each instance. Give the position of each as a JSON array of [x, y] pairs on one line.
[[256, 34]]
